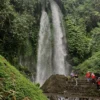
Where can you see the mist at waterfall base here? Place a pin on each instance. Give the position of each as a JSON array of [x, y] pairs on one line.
[[52, 50]]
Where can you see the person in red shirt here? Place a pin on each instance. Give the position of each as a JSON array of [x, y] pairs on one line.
[[98, 83], [88, 76], [93, 77]]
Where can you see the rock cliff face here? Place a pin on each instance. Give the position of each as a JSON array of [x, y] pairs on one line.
[[60, 85]]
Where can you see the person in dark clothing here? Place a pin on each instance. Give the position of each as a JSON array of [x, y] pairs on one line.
[[97, 75], [76, 78], [98, 83]]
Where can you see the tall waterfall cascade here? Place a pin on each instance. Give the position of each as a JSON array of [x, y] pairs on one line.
[[44, 69], [60, 50], [52, 59]]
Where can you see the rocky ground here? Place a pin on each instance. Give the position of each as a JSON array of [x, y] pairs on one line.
[[60, 85]]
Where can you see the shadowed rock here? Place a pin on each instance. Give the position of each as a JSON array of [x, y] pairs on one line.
[[55, 84]]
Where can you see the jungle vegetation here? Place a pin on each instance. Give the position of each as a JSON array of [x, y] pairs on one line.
[[20, 21], [82, 22]]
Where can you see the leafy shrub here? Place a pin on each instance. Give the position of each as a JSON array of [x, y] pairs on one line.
[[95, 43], [92, 64], [78, 43]]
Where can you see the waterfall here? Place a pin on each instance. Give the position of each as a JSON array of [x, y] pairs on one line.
[[44, 50], [60, 51], [49, 62]]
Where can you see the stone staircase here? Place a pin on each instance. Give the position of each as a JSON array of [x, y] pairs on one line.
[[60, 86], [83, 88]]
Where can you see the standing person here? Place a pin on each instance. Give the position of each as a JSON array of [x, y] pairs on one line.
[[88, 76], [72, 74], [76, 79], [98, 83], [93, 77]]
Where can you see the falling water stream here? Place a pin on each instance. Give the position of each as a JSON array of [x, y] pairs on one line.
[[60, 51], [49, 62], [44, 69]]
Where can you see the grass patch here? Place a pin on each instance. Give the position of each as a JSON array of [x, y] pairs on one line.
[[15, 86]]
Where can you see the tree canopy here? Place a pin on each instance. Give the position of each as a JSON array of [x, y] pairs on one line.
[[19, 27]]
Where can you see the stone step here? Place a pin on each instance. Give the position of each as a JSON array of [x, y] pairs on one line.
[[90, 85], [80, 83], [80, 88]]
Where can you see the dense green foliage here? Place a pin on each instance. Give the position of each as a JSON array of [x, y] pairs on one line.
[[95, 42], [78, 43], [13, 86], [82, 28], [19, 27], [92, 64]]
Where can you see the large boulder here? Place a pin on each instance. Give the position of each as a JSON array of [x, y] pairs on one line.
[[55, 84]]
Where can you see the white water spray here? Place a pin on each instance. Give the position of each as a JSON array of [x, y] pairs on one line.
[[60, 51], [49, 62], [44, 69]]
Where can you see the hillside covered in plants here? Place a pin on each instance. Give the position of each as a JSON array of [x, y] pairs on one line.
[[14, 86]]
